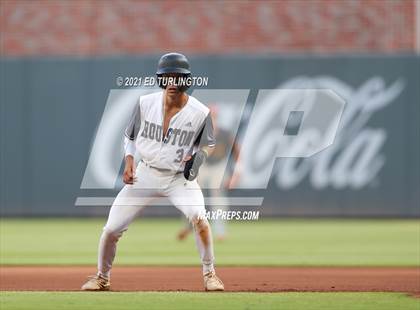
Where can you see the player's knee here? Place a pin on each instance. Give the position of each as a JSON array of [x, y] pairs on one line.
[[194, 219], [112, 233], [200, 223]]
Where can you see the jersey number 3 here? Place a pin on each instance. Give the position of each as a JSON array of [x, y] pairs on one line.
[[180, 153]]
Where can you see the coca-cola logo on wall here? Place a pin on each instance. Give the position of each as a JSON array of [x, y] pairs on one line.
[[356, 156]]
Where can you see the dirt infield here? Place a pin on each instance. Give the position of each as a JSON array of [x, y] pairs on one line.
[[246, 279]]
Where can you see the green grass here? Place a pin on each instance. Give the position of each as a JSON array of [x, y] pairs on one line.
[[264, 242], [183, 300]]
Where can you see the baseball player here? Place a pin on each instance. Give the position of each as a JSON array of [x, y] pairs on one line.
[[173, 133]]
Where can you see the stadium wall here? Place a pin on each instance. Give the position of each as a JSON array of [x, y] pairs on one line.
[[51, 108]]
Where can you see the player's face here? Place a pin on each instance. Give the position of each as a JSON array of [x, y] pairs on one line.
[[172, 79]]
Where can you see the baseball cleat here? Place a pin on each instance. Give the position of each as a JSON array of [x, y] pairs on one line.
[[96, 283], [212, 282]]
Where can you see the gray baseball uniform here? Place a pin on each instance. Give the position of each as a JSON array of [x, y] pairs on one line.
[[159, 170]]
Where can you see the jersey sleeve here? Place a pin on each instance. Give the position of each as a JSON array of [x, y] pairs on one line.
[[133, 126], [129, 147], [206, 136], [132, 131]]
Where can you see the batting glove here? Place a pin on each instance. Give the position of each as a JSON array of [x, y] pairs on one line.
[[193, 165]]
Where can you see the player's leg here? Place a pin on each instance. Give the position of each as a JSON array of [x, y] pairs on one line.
[[188, 198], [219, 204], [209, 178], [127, 205], [120, 216], [203, 181]]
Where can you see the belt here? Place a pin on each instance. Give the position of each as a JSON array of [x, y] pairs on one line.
[[161, 169]]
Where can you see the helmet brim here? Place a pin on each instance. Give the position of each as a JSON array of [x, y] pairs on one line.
[[173, 70]]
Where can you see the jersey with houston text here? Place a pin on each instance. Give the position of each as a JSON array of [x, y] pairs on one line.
[[188, 129]]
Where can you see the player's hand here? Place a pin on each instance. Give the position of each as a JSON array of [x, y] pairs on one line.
[[187, 158], [129, 176]]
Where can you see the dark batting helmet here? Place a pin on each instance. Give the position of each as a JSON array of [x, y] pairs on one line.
[[173, 63]]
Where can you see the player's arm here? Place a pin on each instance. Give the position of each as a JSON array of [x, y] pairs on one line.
[[130, 134], [205, 143]]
